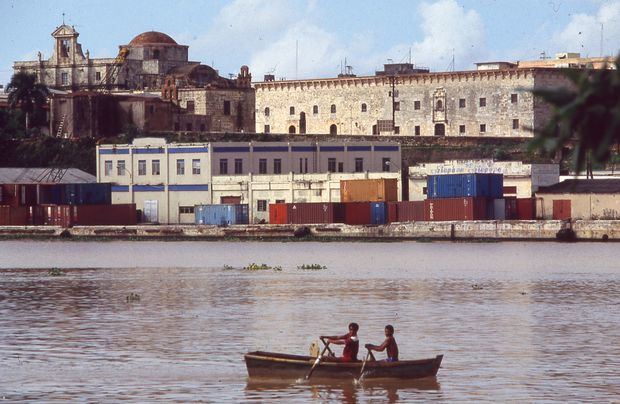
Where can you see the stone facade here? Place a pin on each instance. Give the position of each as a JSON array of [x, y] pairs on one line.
[[495, 102]]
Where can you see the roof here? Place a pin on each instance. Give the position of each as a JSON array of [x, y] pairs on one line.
[[152, 37], [21, 175], [576, 186]]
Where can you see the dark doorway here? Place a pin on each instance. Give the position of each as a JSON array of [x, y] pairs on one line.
[[233, 200], [440, 129], [333, 129], [302, 122], [291, 129]]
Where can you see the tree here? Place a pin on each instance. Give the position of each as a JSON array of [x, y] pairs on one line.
[[27, 94], [587, 116]]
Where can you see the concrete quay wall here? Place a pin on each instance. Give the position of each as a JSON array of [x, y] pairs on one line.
[[472, 230]]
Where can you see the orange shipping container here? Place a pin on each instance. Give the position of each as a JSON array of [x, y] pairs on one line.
[[13, 216], [379, 190]]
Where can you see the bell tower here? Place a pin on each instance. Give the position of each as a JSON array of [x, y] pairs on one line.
[[66, 46]]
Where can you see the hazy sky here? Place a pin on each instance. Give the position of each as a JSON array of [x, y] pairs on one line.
[[263, 33]]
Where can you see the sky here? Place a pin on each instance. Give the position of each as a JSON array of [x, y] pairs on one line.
[[312, 38]]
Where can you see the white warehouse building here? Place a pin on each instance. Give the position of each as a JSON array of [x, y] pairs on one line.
[[166, 180]]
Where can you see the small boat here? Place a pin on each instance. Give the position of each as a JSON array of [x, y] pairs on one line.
[[277, 365]]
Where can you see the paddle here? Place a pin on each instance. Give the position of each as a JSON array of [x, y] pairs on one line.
[[318, 359], [368, 355], [327, 346]]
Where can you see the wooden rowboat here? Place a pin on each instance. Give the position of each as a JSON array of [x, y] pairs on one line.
[[277, 365]]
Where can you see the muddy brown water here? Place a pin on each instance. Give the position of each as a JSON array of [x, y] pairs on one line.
[[515, 321]]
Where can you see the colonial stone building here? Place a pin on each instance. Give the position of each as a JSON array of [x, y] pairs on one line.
[[494, 100]]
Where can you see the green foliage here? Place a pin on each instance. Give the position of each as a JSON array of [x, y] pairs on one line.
[[262, 267], [589, 116], [311, 267], [28, 95], [55, 272]]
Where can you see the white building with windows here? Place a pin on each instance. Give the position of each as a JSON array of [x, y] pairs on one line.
[[166, 180]]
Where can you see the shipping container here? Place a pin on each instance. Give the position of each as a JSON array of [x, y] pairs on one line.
[[378, 213], [310, 213], [36, 216], [406, 211], [51, 194], [392, 209], [526, 208], [104, 215], [87, 194], [278, 213], [57, 215], [9, 194], [221, 215], [13, 215], [443, 209], [561, 209], [499, 209], [465, 185], [357, 213], [377, 190], [511, 209]]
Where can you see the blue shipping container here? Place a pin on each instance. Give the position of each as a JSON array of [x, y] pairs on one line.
[[378, 213], [221, 215], [86, 194], [465, 185]]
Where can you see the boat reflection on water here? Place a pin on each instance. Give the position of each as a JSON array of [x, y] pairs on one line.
[[347, 391]]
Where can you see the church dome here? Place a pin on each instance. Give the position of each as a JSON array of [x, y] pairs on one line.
[[152, 37]]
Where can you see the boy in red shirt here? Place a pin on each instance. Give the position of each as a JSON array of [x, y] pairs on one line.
[[350, 341], [389, 344]]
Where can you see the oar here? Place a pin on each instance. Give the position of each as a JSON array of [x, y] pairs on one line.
[[368, 355], [327, 346], [318, 359]]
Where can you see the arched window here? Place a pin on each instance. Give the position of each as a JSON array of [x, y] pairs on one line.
[[315, 109], [439, 105], [266, 111], [333, 129], [291, 129], [364, 108], [291, 111], [333, 109], [156, 54]]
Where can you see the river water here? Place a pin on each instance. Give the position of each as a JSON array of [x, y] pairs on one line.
[[515, 321]]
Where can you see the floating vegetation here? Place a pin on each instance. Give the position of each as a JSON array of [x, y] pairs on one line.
[[228, 267], [55, 272], [312, 267], [475, 286], [262, 267], [133, 297]]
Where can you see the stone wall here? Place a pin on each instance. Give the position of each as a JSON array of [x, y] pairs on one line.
[[237, 117]]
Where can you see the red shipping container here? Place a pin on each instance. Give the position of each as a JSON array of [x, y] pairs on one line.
[[392, 212], [57, 215], [13, 215], [9, 194], [409, 211], [442, 209], [278, 213], [561, 209], [310, 213], [511, 209], [104, 215], [526, 208], [35, 216], [357, 213]]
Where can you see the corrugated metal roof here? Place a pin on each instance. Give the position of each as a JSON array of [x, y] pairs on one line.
[[576, 186], [10, 175]]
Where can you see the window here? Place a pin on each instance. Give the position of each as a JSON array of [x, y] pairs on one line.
[[291, 129], [386, 164], [483, 128], [417, 130], [108, 168], [98, 76], [385, 125], [64, 47], [280, 201], [331, 165], [315, 109], [397, 130], [396, 105], [439, 105], [64, 77], [291, 111], [266, 111], [364, 108], [359, 165], [462, 129], [333, 129], [332, 109], [202, 127], [226, 107], [416, 105], [188, 127], [515, 124], [156, 54], [141, 167], [277, 166], [514, 98], [186, 210], [483, 102], [262, 166], [340, 167], [261, 205], [120, 168], [196, 166], [155, 167], [238, 166], [180, 167], [191, 106], [303, 165], [462, 103], [223, 166], [267, 129]]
